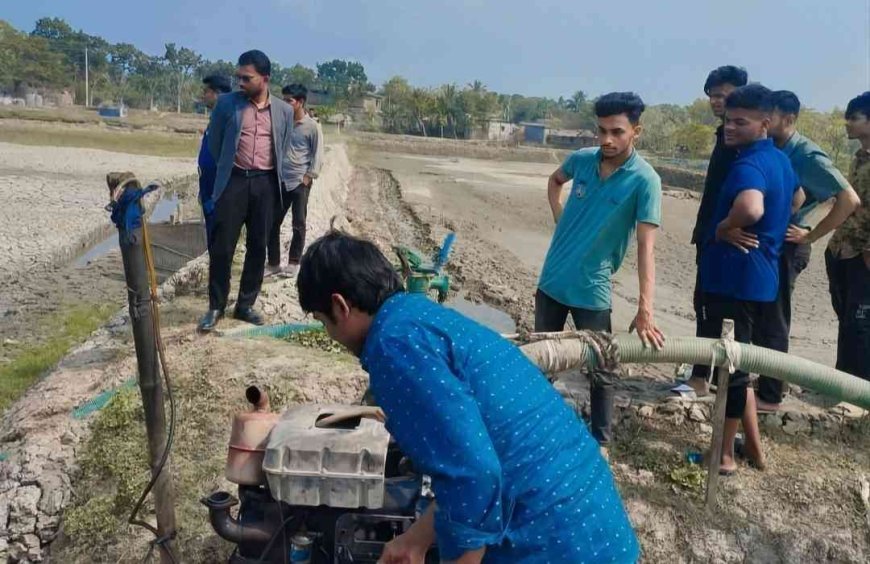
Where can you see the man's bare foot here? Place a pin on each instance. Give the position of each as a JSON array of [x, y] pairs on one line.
[[762, 406], [700, 385], [755, 457], [727, 466]]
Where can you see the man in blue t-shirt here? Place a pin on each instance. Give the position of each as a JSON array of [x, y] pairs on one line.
[[212, 87], [614, 192], [740, 251]]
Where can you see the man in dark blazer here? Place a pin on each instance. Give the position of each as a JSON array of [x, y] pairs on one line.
[[247, 132]]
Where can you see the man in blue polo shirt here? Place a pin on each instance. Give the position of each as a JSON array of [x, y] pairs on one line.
[[821, 181], [740, 251], [212, 87], [613, 192]]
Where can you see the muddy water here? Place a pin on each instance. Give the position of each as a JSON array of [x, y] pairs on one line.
[[163, 210], [492, 317]]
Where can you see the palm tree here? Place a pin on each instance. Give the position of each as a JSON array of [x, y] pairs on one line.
[[576, 102], [447, 101], [477, 87]]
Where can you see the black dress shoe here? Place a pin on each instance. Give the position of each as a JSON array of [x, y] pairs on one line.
[[249, 315], [210, 319]]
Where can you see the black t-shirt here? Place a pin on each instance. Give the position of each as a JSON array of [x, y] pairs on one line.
[[720, 163]]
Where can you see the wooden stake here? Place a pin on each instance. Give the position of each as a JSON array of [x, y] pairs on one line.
[[723, 379], [150, 385]]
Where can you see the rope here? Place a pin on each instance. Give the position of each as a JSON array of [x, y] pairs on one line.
[[603, 345], [731, 348]]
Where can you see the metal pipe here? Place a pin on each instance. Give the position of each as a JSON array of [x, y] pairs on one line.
[[258, 398], [229, 528]]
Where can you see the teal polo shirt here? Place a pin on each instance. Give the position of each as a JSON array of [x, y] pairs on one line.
[[596, 227], [816, 173]]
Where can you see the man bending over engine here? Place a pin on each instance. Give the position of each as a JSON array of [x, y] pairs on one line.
[[517, 477]]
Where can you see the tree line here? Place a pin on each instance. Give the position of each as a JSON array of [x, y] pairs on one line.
[[55, 56], [52, 56]]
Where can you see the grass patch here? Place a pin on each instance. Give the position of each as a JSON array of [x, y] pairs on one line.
[[133, 142], [115, 456], [70, 328], [316, 339], [115, 469]]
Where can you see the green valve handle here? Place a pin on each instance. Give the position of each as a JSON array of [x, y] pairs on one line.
[[420, 277], [442, 285]]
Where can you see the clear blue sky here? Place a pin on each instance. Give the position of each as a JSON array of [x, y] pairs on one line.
[[661, 49]]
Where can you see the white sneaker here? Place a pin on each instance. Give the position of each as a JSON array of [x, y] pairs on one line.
[[289, 271]]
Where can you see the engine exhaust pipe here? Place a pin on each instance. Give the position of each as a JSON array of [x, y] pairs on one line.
[[229, 528]]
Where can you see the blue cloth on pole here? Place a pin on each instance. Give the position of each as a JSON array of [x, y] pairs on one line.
[[127, 211]]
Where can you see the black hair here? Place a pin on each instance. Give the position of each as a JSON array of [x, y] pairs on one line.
[[616, 103], [258, 59], [339, 263], [859, 105], [218, 83], [296, 91], [728, 74], [751, 97], [786, 102]]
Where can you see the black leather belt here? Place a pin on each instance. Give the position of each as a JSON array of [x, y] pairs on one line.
[[250, 172]]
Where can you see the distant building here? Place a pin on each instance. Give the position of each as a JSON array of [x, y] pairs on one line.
[[107, 111], [366, 110], [60, 99], [495, 129], [571, 138], [534, 132], [34, 100], [369, 103]]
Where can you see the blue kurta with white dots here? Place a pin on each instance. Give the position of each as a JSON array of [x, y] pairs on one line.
[[512, 466]]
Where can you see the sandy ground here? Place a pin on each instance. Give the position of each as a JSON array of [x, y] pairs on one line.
[[503, 206], [499, 211]]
